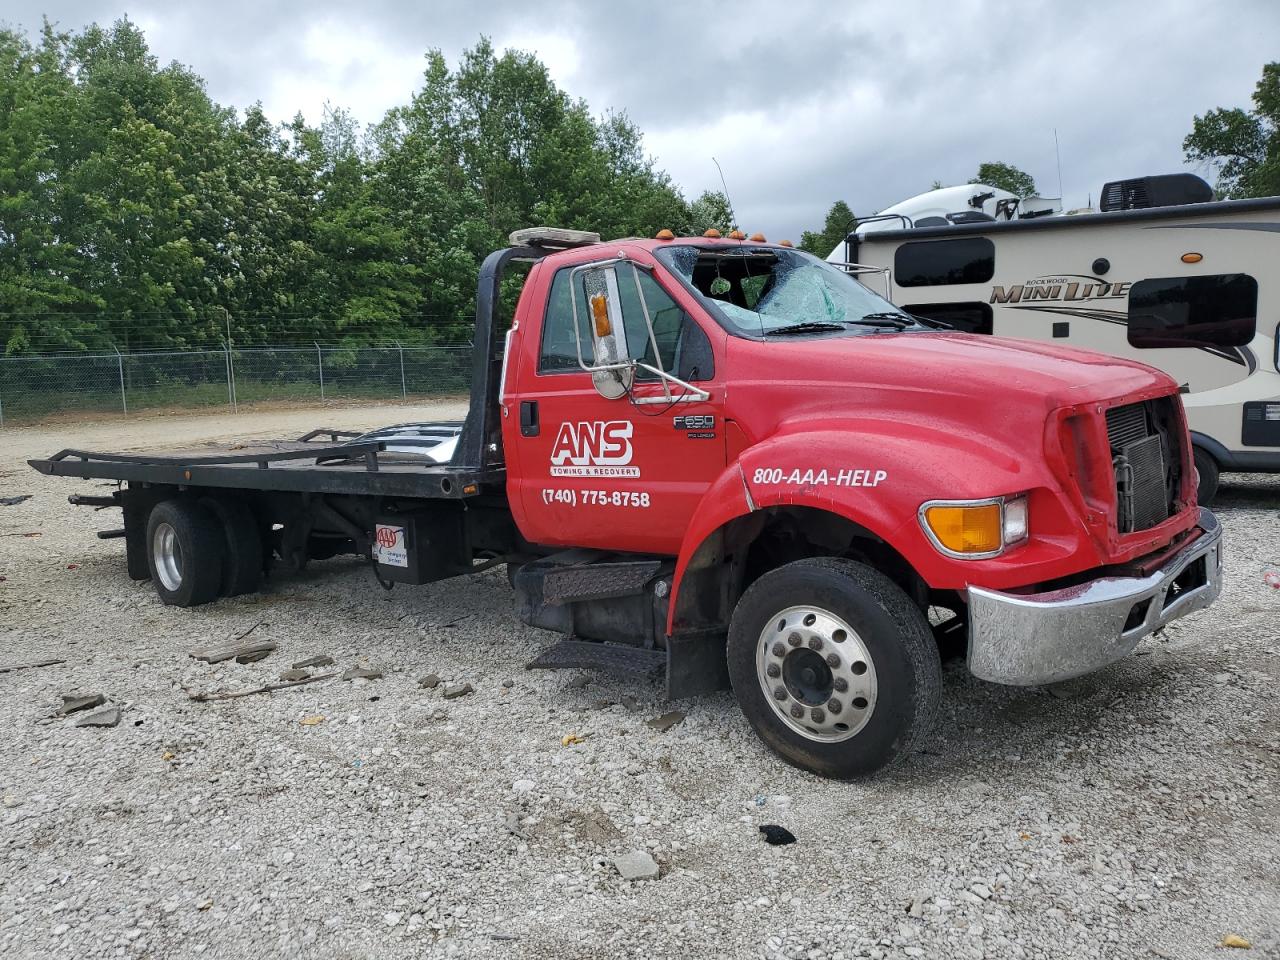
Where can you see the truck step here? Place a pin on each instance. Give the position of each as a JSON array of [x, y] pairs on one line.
[[595, 581], [615, 659]]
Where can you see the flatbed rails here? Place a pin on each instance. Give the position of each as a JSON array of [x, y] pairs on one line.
[[302, 466]]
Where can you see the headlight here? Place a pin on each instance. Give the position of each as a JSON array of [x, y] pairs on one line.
[[975, 529]]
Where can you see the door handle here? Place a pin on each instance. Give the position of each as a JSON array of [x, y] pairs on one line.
[[528, 418]]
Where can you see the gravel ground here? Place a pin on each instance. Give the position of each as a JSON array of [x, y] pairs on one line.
[[1130, 814]]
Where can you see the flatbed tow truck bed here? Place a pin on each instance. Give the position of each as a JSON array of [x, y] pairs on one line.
[[378, 465]]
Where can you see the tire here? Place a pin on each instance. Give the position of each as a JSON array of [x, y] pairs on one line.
[[887, 662], [242, 565], [186, 549], [1207, 467]]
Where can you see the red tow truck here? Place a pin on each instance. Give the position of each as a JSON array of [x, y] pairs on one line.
[[724, 461]]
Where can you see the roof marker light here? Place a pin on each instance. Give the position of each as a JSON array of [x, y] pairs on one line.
[[785, 243], [712, 234], [664, 235], [757, 238], [737, 235]]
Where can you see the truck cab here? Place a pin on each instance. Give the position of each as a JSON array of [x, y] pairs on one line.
[[726, 462]]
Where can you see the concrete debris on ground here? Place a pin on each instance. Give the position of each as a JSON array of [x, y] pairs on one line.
[[14, 501], [296, 673], [240, 652], [108, 716], [636, 865], [73, 703], [454, 690], [429, 682], [361, 673], [320, 661], [666, 721]]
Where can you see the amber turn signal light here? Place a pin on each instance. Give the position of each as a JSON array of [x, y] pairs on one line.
[[966, 529], [600, 314]]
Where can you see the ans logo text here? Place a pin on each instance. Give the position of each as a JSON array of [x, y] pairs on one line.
[[593, 448], [1071, 287]]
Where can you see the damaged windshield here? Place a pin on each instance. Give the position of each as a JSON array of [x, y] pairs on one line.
[[770, 291]]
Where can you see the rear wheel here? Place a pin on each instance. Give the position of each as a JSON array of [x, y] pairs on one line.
[[242, 565], [185, 551], [1207, 468], [834, 666]]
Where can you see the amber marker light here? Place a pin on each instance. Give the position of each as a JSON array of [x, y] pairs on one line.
[[600, 314], [757, 238], [712, 234], [664, 235], [737, 235], [785, 243], [1191, 258], [966, 529]]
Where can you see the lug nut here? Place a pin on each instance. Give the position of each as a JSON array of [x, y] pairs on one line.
[[779, 693], [834, 705], [818, 715], [794, 639], [833, 660], [779, 650], [841, 684], [815, 643], [797, 711], [773, 670]]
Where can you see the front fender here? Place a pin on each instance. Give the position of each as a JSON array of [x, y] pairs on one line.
[[877, 474]]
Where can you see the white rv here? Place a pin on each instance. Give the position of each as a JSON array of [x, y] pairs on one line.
[[1162, 274]]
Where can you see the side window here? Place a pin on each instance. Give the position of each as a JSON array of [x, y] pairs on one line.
[[682, 344], [1214, 311], [559, 351], [937, 263]]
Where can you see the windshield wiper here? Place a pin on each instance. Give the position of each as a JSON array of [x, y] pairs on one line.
[[810, 326], [885, 318]]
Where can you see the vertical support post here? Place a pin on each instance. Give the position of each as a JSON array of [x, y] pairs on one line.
[[226, 355], [1, 410], [231, 366], [320, 365], [124, 400], [404, 392]]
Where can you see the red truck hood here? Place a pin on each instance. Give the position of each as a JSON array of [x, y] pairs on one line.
[[958, 364]]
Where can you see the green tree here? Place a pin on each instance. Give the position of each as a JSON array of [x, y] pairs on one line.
[[839, 223], [1006, 177], [710, 211], [1244, 146]]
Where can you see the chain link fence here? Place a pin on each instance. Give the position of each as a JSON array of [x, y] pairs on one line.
[[35, 387]]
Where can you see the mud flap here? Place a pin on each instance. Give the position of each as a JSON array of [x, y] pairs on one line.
[[696, 665]]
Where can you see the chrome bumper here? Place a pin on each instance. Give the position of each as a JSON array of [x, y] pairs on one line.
[[1027, 639]]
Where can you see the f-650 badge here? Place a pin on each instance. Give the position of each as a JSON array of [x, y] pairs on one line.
[[695, 423]]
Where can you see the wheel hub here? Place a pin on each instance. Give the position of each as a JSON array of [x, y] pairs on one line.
[[167, 552], [816, 673]]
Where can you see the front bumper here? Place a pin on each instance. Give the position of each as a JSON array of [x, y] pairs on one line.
[[1028, 639]]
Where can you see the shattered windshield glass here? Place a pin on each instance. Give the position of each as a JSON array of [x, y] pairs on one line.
[[766, 291]]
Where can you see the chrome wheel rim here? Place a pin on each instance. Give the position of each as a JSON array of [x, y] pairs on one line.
[[168, 556], [816, 674]]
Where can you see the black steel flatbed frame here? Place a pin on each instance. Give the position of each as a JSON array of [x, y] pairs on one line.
[[345, 467]]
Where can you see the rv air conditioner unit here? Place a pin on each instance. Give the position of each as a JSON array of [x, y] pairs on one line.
[[1168, 190]]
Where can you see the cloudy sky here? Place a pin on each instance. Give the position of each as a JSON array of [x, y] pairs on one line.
[[801, 102]]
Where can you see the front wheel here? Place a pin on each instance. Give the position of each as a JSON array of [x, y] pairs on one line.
[[834, 666], [1207, 472]]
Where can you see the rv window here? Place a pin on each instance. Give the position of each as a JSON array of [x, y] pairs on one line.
[[972, 317], [936, 263], [1216, 311]]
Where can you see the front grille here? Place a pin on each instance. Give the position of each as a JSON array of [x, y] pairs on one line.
[[1146, 456]]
